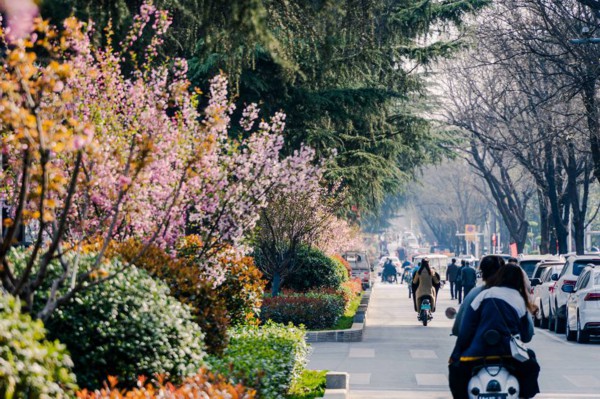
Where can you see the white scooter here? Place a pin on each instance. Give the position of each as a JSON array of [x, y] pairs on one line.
[[493, 379]]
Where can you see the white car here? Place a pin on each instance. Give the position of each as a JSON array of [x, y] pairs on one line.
[[583, 306], [568, 276], [542, 290], [529, 262]]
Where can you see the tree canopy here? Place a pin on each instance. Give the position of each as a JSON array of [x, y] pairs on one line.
[[346, 73]]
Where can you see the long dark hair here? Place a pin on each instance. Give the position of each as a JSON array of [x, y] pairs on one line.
[[489, 266], [511, 276], [425, 265]]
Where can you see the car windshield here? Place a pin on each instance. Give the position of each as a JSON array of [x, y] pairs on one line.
[[528, 266], [578, 266]]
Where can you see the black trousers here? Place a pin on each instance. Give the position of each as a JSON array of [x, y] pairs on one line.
[[458, 292], [452, 288], [467, 289], [459, 374]]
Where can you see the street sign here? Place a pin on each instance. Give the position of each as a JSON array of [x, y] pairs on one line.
[[470, 232]]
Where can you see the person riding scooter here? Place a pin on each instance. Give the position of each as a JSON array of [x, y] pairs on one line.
[[389, 270], [425, 283], [502, 309]]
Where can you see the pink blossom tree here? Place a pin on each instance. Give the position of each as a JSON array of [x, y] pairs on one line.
[[94, 153], [299, 213]]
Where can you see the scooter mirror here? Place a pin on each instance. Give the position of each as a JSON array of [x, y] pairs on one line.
[[450, 313]]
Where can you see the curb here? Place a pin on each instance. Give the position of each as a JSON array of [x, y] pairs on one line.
[[337, 385], [353, 334]]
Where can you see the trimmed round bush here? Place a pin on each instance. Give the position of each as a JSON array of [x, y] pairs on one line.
[[127, 327], [208, 307], [268, 358], [30, 366], [314, 269], [314, 310]]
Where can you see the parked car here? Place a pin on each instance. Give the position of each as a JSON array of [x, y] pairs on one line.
[[568, 276], [361, 268], [583, 306], [506, 257], [529, 262], [541, 292], [535, 278]]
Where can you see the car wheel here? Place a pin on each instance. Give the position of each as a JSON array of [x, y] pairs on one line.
[[544, 320], [559, 324], [550, 319], [571, 335], [582, 336]]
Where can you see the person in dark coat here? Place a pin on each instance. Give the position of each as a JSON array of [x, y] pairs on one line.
[[458, 283], [468, 277], [451, 272], [503, 307]]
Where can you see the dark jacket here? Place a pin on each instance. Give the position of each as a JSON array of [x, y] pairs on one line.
[[451, 272], [468, 276], [497, 308], [458, 279]]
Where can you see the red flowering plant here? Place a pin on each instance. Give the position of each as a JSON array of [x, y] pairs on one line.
[[202, 385]]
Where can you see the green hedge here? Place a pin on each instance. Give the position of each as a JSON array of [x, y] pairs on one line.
[[30, 366], [313, 269], [316, 311], [268, 358], [126, 327]]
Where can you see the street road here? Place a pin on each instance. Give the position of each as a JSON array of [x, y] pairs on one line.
[[399, 358]]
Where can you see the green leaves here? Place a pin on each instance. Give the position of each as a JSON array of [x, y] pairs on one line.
[[268, 358], [128, 326], [31, 367]]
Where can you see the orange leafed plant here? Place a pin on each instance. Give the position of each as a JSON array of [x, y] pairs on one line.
[[203, 385], [343, 262]]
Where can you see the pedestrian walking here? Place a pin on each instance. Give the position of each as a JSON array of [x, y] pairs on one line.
[[468, 278], [458, 283], [451, 272]]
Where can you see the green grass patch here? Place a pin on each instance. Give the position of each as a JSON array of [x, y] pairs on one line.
[[347, 319], [310, 385]]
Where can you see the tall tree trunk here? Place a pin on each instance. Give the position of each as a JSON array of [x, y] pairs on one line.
[[559, 228], [578, 208], [591, 109], [544, 224], [276, 284]]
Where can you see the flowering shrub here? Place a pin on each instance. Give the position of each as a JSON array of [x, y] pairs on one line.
[[128, 326], [267, 358], [201, 385], [90, 150], [314, 310], [314, 269], [30, 366]]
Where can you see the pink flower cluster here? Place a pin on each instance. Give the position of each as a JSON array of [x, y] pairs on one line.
[[151, 164]]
